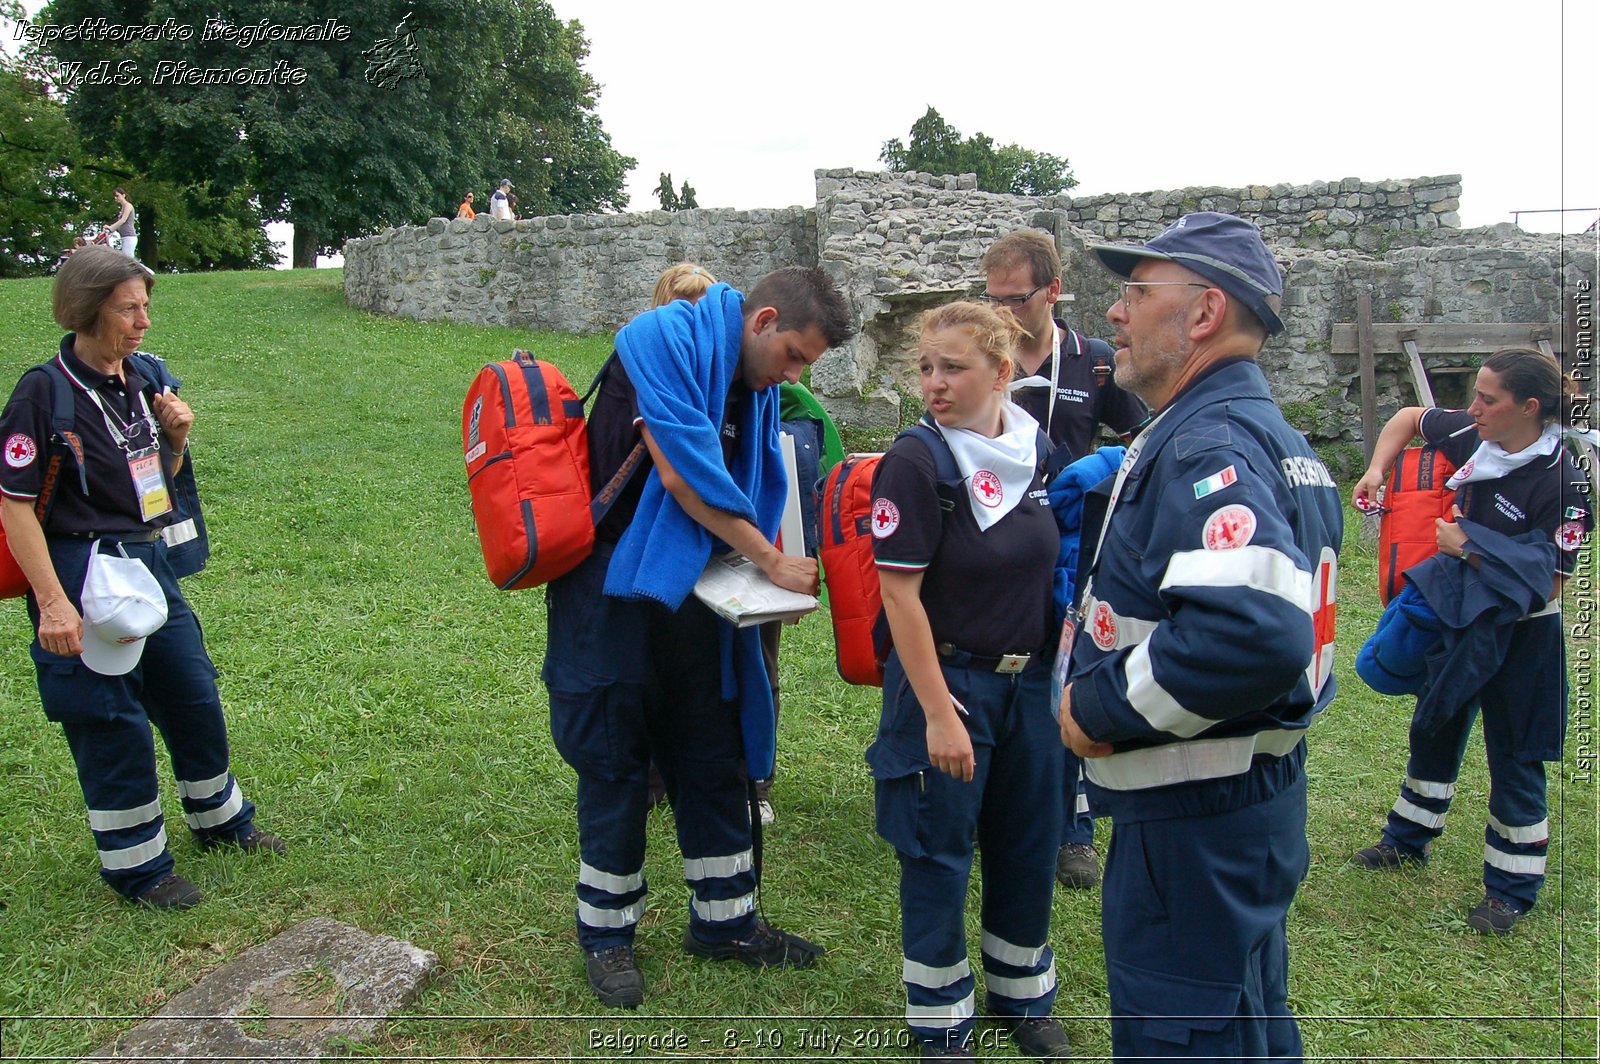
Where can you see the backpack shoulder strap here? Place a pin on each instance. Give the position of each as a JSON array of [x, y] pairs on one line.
[[945, 470], [64, 437], [1102, 358]]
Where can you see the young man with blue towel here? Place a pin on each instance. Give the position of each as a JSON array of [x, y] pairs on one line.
[[635, 664]]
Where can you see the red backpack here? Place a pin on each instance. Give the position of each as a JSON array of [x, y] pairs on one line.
[[527, 452], [849, 570], [1413, 499]]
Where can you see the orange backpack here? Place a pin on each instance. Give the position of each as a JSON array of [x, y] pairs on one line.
[[527, 452], [1413, 499], [849, 570]]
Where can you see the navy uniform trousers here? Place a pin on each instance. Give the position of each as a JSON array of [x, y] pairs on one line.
[[629, 680], [1077, 823], [107, 721], [931, 818], [1234, 874], [1517, 836]]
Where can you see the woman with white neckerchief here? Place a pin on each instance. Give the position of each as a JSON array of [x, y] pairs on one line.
[[965, 543], [1515, 476]]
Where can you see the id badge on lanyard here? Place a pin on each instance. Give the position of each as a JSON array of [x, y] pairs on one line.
[[149, 485], [144, 463]]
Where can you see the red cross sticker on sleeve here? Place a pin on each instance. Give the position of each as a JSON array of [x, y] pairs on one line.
[[885, 518], [20, 451]]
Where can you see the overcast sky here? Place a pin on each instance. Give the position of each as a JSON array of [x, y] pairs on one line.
[[744, 99]]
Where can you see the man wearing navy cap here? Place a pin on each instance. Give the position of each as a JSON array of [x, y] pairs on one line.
[[1203, 653]]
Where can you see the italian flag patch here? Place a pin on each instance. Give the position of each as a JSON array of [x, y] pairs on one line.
[[1214, 483]]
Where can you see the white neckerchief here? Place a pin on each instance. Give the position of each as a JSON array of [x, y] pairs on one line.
[[997, 471], [1492, 461], [1036, 381]]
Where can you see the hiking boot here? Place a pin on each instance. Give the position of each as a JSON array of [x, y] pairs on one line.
[[1038, 1036], [1078, 866], [766, 947], [171, 893], [1494, 916], [1383, 857], [614, 977], [253, 841]]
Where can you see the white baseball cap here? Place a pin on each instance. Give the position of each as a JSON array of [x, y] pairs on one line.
[[122, 606]]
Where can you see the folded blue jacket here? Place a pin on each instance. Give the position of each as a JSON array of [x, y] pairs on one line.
[[1478, 610]]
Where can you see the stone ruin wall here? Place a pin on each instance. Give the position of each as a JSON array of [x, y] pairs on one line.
[[580, 273], [898, 243]]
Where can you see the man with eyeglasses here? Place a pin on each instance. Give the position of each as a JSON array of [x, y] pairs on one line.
[[1064, 380], [1203, 654]]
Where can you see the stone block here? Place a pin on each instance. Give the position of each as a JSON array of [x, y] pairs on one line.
[[290, 997]]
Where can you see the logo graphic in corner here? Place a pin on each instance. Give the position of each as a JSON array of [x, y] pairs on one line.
[[986, 488], [20, 451], [1229, 528], [885, 518], [1568, 537], [1103, 627]]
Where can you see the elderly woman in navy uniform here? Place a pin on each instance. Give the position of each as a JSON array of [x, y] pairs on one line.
[[965, 542], [96, 508], [1515, 475]]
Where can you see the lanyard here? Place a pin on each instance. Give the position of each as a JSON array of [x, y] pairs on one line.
[[120, 430]]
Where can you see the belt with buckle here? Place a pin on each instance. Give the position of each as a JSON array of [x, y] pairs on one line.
[[1002, 663], [149, 535]]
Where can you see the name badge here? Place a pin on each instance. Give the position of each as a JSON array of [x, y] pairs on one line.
[[148, 484]]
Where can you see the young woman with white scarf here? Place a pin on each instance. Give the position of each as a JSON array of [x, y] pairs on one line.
[[1517, 473], [967, 746]]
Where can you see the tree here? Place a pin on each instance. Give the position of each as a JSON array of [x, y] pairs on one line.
[[410, 102], [675, 201], [936, 147], [51, 186]]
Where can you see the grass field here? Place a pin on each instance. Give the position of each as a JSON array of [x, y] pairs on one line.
[[387, 718]]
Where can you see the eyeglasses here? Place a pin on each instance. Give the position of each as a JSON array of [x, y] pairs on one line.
[[1156, 284], [1010, 301]]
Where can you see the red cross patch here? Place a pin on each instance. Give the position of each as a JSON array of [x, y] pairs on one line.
[[1103, 627], [20, 451], [1570, 535], [1465, 471], [885, 518], [986, 488], [1229, 528]]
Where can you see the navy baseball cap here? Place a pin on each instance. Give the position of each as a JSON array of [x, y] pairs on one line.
[[1226, 250]]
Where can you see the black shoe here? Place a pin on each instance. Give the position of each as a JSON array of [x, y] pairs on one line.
[[172, 892], [253, 841], [1494, 916], [1078, 866], [767, 947], [1038, 1036], [1384, 857], [614, 977]]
